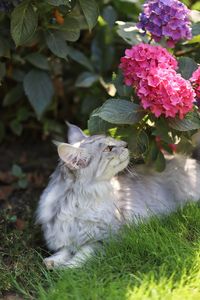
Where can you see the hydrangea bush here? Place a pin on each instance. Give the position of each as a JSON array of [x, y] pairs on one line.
[[164, 90], [138, 79]]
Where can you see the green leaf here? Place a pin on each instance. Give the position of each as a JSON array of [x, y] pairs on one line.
[[196, 39], [14, 95], [86, 79], [160, 162], [18, 75], [190, 122], [109, 15], [98, 126], [16, 170], [23, 183], [56, 44], [90, 11], [24, 21], [196, 29], [187, 66], [162, 130], [16, 127], [70, 29], [122, 89], [130, 33], [39, 90], [153, 152], [196, 5], [89, 104], [79, 57], [38, 60], [23, 113], [59, 2], [119, 111]]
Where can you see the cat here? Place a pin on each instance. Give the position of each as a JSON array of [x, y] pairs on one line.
[[89, 197]]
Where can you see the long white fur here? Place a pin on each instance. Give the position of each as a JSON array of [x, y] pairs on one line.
[[82, 206]]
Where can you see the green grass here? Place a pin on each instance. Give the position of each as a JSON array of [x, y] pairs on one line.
[[157, 260]]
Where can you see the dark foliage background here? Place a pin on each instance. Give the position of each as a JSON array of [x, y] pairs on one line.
[[54, 66]]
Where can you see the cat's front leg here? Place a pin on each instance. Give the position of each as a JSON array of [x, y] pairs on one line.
[[64, 259], [79, 258], [58, 259]]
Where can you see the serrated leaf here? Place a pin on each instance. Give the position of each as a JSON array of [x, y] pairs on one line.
[[59, 2], [56, 44], [24, 21], [79, 57], [86, 79], [130, 33], [91, 12], [190, 122], [38, 60], [14, 95], [39, 90], [119, 111], [186, 66]]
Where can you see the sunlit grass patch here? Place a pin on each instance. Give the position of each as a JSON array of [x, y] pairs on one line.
[[156, 260]]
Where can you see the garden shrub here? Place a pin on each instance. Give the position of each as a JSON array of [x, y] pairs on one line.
[[63, 59]]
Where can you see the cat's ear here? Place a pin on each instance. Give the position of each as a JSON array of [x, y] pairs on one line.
[[75, 158], [75, 134]]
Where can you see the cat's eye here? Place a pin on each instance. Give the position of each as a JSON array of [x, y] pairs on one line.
[[108, 149]]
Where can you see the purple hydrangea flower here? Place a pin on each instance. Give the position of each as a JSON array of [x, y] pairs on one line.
[[8, 5], [166, 18]]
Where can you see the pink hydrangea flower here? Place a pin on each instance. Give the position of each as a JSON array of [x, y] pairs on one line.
[[195, 80], [164, 92], [141, 58]]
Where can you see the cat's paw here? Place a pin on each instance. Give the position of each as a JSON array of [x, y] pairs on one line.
[[49, 263]]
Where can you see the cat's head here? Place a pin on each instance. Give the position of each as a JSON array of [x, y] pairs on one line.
[[95, 157]]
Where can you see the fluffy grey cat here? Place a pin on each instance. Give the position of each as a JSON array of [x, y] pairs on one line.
[[86, 199]]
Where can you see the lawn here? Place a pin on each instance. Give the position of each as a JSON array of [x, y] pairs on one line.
[[157, 260]]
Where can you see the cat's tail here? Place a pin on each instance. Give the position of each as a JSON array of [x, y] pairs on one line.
[[196, 143]]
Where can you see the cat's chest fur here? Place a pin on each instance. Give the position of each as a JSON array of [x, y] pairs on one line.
[[72, 215]]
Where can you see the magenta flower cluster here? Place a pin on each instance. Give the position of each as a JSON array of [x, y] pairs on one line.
[[166, 18], [143, 57], [151, 70], [166, 93]]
